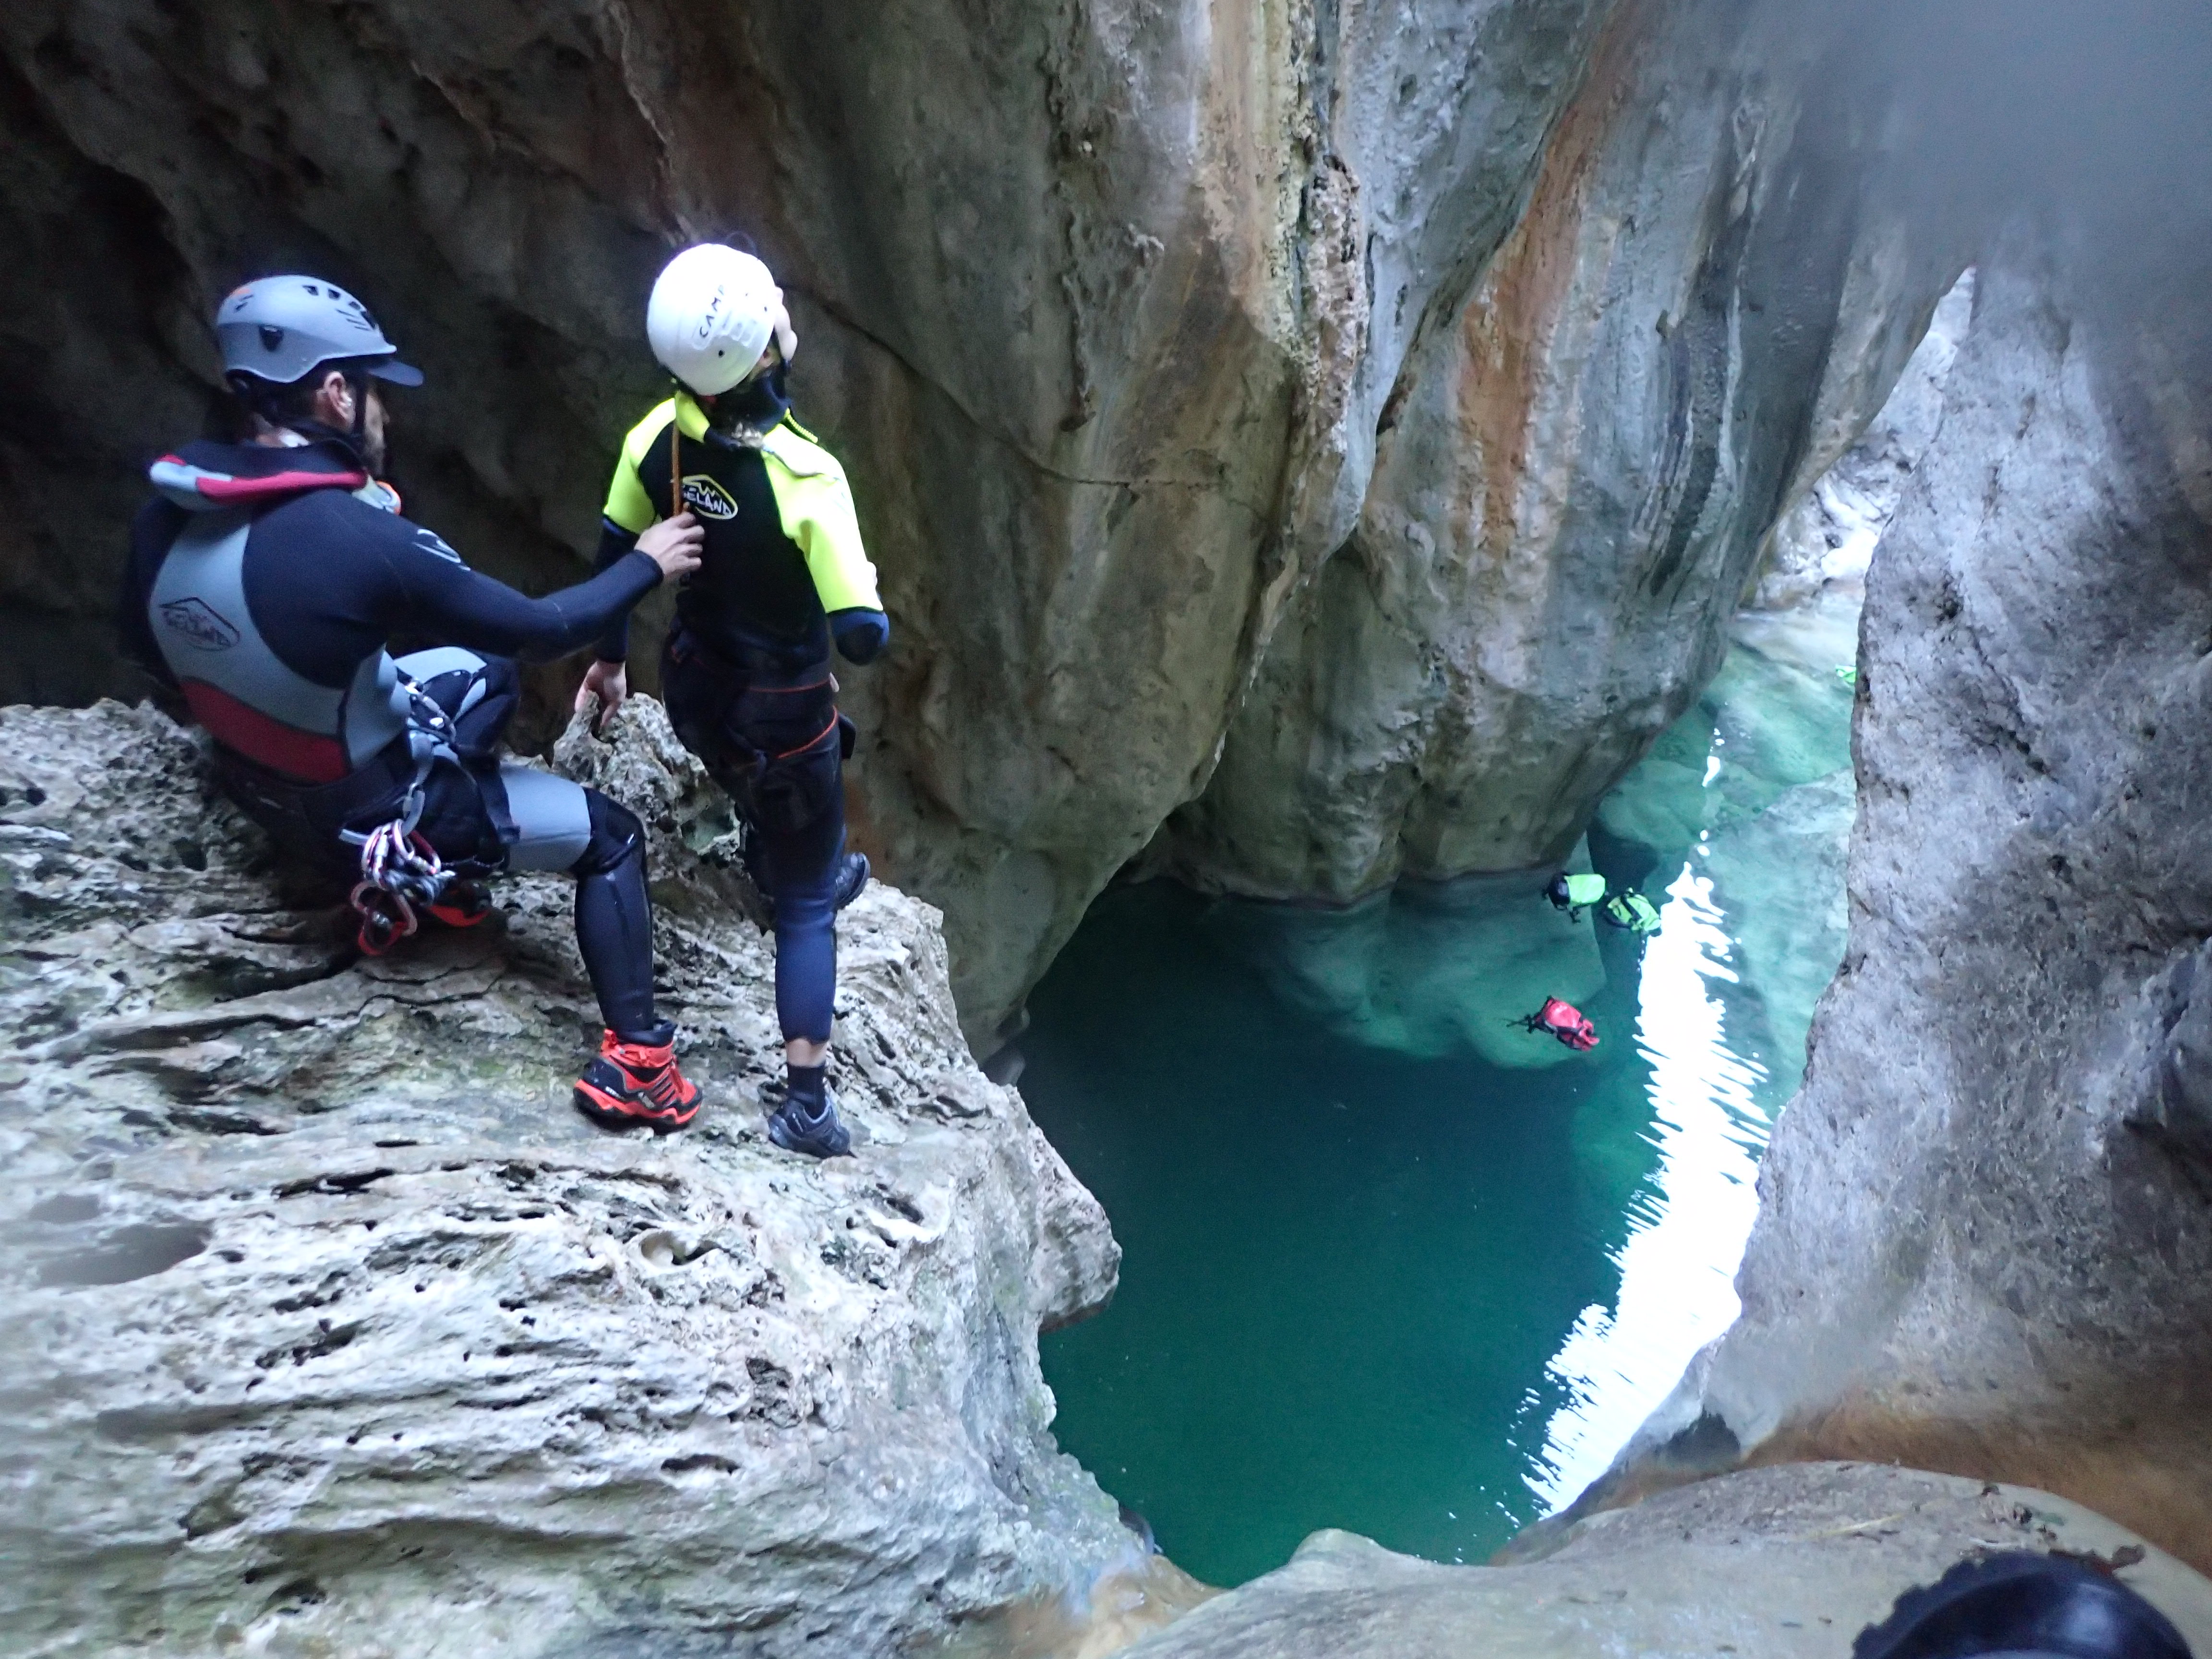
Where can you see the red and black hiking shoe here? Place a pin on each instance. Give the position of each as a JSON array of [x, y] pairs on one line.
[[631, 1084], [464, 904]]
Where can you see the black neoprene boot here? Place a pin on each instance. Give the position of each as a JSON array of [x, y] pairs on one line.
[[805, 1119]]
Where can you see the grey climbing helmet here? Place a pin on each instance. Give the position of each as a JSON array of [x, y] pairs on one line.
[[281, 328]]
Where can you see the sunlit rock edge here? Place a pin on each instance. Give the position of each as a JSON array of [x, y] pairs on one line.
[[1790, 1562]]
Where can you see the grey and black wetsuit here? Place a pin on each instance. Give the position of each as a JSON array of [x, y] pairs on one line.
[[746, 673], [264, 584]]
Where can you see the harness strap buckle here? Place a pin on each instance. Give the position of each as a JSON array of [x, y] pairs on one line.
[[400, 871]]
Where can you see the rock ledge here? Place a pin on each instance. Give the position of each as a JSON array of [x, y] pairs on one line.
[[336, 1331], [1786, 1563]]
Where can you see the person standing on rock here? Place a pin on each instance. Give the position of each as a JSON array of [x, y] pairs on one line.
[[265, 582], [746, 672]]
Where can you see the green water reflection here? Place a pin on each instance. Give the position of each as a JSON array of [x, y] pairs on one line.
[[1391, 1265]]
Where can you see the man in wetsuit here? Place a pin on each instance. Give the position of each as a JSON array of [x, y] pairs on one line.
[[264, 583], [747, 669], [1576, 892]]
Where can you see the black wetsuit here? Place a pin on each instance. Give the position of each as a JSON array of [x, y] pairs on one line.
[[746, 673], [331, 578], [320, 580]]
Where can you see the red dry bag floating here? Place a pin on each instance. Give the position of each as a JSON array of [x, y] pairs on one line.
[[1566, 1022]]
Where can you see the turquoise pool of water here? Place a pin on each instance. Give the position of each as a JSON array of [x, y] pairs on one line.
[[1390, 1264]]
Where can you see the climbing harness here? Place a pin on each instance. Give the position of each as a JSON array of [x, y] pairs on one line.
[[400, 872], [1563, 1021], [772, 738]]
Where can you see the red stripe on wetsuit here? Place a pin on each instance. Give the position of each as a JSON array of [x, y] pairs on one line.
[[307, 757]]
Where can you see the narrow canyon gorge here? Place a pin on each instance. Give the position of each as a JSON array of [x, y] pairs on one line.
[[1312, 449]]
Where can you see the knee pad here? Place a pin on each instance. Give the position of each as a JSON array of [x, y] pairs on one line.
[[618, 837]]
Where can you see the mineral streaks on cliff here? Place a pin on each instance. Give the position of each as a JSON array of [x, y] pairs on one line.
[[1986, 1223], [1260, 206], [1699, 307], [1100, 303], [334, 1330]]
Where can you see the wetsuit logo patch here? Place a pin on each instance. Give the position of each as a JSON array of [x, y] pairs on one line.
[[431, 542], [708, 499], [200, 624]]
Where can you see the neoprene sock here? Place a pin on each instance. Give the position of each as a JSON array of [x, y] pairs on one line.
[[650, 1037], [807, 1088]]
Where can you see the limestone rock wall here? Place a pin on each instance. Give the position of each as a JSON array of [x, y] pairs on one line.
[[1709, 294], [334, 1329], [1985, 1229], [1827, 540], [1100, 302]]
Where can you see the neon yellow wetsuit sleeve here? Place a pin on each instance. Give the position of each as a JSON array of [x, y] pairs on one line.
[[816, 503], [628, 507]]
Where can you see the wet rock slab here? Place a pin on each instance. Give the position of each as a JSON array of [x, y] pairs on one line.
[[1786, 1563], [334, 1329]]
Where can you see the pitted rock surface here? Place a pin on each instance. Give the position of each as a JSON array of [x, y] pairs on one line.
[[335, 1329]]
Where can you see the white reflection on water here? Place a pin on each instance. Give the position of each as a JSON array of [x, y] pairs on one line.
[[1688, 1222]]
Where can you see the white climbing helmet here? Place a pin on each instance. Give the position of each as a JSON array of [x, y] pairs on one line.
[[712, 312]]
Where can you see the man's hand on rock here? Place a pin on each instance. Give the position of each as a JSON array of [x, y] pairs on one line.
[[606, 683], [674, 545]]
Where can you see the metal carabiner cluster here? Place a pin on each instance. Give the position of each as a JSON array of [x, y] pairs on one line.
[[400, 873]]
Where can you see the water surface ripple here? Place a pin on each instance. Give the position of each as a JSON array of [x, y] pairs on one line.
[[1390, 1264]]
